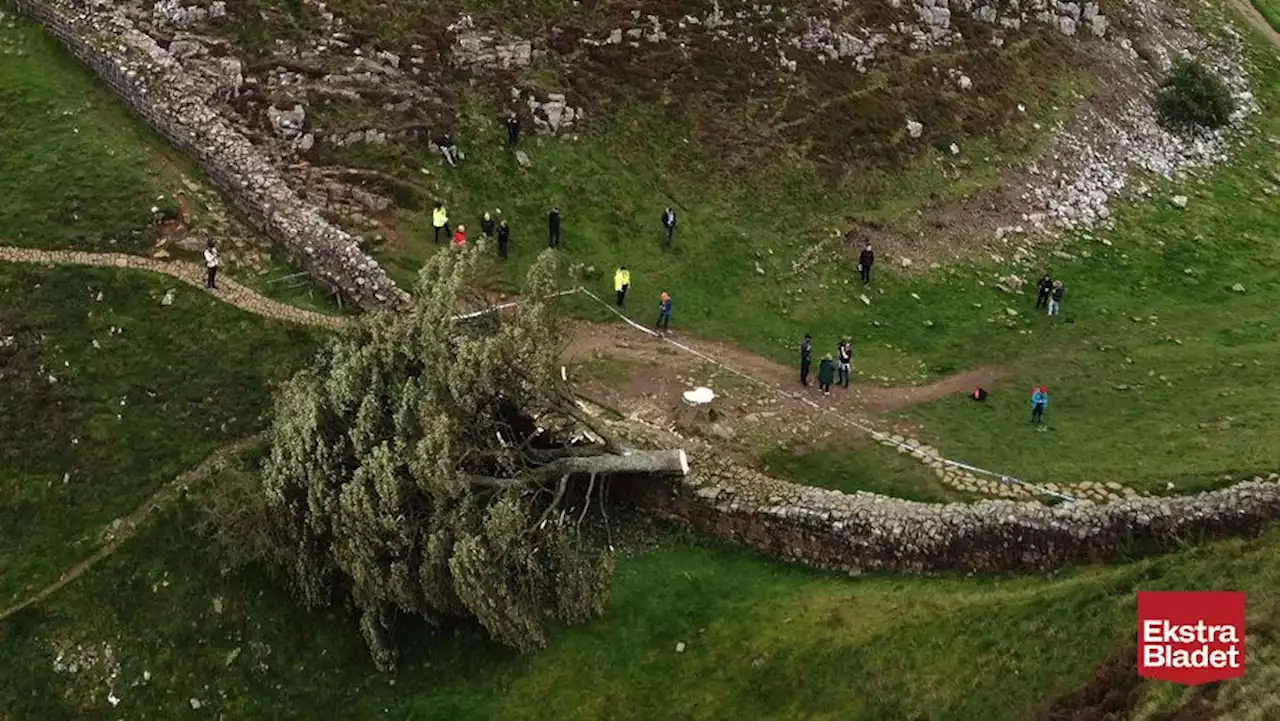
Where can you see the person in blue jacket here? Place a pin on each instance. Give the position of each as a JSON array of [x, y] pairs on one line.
[[664, 311], [1039, 401]]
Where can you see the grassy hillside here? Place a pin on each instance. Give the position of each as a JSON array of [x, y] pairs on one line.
[[79, 171], [105, 395], [762, 640], [163, 630]]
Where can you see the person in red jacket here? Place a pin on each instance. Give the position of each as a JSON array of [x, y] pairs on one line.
[[460, 236]]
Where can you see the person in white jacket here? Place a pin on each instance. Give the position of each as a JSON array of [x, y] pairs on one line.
[[211, 264]]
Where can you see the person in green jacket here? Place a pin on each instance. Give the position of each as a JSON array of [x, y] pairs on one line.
[[826, 374]]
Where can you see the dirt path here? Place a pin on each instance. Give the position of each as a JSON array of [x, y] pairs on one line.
[[588, 340], [192, 274], [123, 529], [1258, 20]]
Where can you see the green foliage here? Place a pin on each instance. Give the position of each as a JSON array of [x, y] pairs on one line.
[[1192, 96], [371, 481]]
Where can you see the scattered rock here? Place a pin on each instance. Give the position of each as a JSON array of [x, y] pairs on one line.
[[522, 158], [1238, 287], [1179, 201], [168, 298], [680, 647], [914, 129]]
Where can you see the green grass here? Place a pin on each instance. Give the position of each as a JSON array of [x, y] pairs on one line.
[[868, 467], [1213, 415], [1270, 10], [80, 171], [76, 171], [101, 402], [763, 640]]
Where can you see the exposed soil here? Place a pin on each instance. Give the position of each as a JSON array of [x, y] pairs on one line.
[[644, 378], [1112, 692]]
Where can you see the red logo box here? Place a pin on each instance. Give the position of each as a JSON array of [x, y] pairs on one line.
[[1191, 637]]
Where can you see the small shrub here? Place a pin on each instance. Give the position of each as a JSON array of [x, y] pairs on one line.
[[1192, 96]]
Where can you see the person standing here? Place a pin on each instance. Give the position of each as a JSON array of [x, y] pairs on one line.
[[669, 224], [844, 354], [1055, 298], [621, 283], [487, 225], [866, 259], [826, 374], [806, 359], [553, 228], [1039, 401], [440, 221], [211, 263], [513, 130], [664, 311], [460, 236], [504, 237], [1043, 289]]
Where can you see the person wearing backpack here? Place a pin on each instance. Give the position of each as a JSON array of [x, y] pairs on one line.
[[669, 224]]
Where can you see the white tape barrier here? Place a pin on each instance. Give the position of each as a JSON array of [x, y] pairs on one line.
[[1003, 478]]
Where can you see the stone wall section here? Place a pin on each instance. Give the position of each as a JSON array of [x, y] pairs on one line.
[[154, 85], [865, 531], [853, 532]]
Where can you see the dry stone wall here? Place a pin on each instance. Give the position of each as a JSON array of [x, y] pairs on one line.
[[153, 84], [829, 529]]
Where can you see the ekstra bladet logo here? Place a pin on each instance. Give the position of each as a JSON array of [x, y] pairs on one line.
[[1191, 637]]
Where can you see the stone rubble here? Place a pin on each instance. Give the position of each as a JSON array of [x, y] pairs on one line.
[[157, 87]]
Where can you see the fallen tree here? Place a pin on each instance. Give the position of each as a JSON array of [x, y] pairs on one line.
[[442, 468]]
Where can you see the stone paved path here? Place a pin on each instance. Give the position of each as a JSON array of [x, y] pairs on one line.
[[192, 274], [123, 529]]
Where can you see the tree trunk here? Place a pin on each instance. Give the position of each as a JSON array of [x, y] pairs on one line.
[[643, 463]]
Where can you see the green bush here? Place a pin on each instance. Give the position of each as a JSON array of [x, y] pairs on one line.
[[1192, 96]]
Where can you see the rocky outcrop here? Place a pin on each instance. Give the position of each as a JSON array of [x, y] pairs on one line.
[[155, 85]]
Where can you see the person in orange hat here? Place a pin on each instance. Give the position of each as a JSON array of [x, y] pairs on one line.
[[460, 236], [664, 311]]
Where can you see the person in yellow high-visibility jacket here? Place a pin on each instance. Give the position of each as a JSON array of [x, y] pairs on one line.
[[621, 283], [440, 221]]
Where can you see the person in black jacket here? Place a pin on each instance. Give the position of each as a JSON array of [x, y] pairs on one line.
[[513, 130], [866, 259], [1043, 289], [553, 227], [504, 237], [487, 225], [844, 354], [669, 223], [449, 149], [806, 359]]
